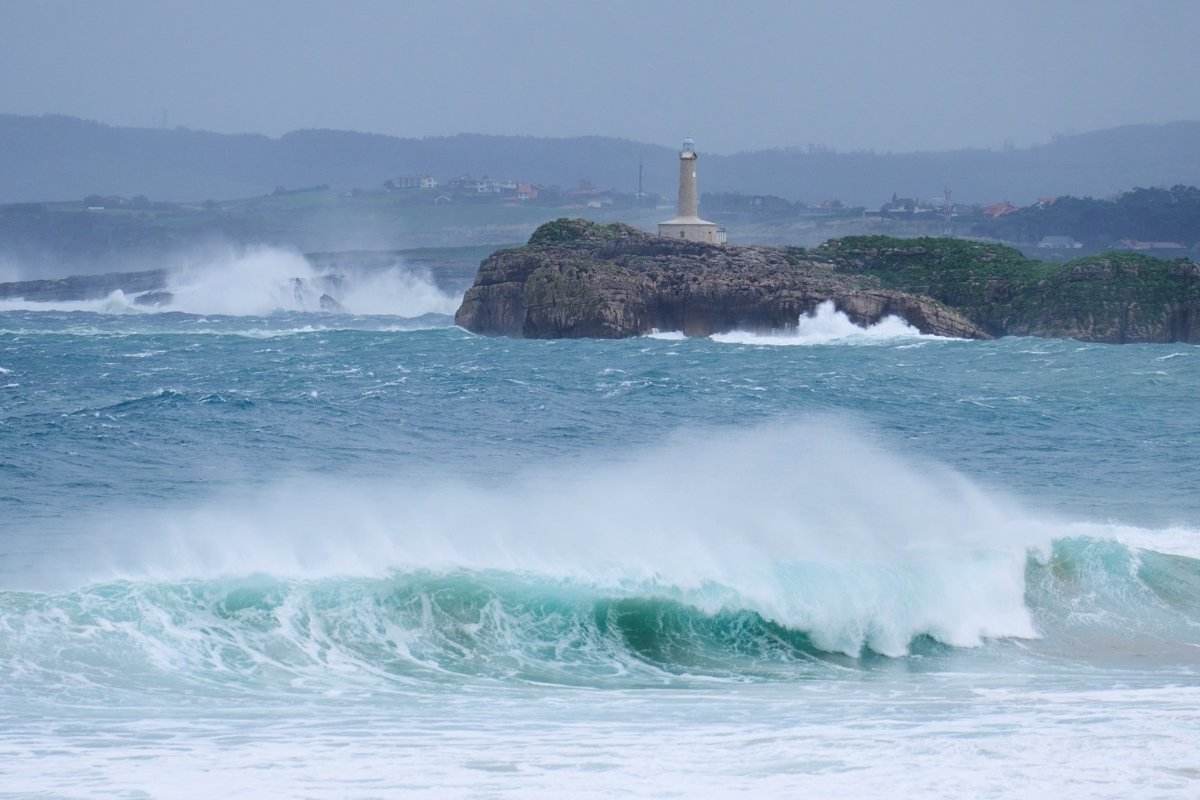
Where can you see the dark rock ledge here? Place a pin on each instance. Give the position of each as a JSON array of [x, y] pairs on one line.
[[578, 279]]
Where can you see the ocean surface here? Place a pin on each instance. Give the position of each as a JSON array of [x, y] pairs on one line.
[[253, 550]]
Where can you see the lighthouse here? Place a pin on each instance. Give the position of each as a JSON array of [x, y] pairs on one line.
[[687, 224]]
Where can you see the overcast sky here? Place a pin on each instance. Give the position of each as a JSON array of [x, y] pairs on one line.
[[896, 75]]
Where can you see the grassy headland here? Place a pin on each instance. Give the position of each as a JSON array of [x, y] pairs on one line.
[[1112, 296]]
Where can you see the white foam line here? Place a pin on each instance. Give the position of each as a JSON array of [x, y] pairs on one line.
[[827, 325]]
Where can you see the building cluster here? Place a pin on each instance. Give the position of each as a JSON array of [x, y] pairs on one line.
[[467, 185], [908, 208], [1134, 245], [689, 226], [1151, 247]]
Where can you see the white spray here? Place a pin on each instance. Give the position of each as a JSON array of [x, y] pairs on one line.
[[827, 325], [808, 524], [261, 280], [257, 281]]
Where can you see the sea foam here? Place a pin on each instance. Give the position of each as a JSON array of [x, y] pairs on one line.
[[827, 325], [809, 525], [261, 280]]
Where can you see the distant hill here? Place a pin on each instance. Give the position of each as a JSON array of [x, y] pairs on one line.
[[51, 158], [62, 158]]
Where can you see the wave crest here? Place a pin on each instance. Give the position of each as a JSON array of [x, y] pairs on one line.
[[424, 626], [806, 525], [827, 325]]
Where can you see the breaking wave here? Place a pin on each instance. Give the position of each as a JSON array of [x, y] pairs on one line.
[[737, 555], [406, 626], [827, 325], [260, 281]]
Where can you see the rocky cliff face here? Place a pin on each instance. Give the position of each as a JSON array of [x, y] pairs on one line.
[[578, 279], [1116, 299], [1111, 297]]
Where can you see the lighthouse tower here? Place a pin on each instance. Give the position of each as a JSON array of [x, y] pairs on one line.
[[687, 224]]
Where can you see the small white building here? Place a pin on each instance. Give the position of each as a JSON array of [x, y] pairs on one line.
[[1059, 243], [415, 182], [687, 224]]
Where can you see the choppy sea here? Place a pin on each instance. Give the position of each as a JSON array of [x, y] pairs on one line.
[[253, 550]]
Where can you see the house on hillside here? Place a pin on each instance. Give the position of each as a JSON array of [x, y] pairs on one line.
[[1141, 247], [899, 205], [463, 183], [586, 196], [415, 182], [1000, 210], [488, 185], [902, 208], [1059, 243], [520, 191]]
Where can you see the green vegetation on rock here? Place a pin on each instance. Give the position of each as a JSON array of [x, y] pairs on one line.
[[578, 278], [1113, 297], [566, 229]]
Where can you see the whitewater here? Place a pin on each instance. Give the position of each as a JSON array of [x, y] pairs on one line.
[[253, 548]]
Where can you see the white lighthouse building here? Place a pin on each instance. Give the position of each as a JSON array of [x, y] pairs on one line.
[[687, 224]]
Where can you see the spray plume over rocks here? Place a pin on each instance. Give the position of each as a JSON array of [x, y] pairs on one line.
[[250, 281]]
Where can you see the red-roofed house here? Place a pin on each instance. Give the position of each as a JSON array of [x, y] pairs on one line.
[[1000, 209]]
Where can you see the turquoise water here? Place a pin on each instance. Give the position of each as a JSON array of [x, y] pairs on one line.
[[303, 554]]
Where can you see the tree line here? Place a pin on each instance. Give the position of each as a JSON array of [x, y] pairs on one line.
[[1150, 215]]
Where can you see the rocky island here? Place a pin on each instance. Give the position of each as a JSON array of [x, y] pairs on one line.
[[578, 279]]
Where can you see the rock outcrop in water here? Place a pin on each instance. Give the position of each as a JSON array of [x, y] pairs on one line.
[[579, 279], [84, 287], [148, 288]]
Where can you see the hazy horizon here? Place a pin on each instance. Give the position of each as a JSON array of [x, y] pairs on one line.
[[671, 144], [924, 76]]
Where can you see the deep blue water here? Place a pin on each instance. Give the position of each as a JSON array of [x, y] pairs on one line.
[[166, 405], [370, 557]]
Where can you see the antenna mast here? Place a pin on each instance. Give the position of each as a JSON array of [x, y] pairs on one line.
[[947, 216]]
